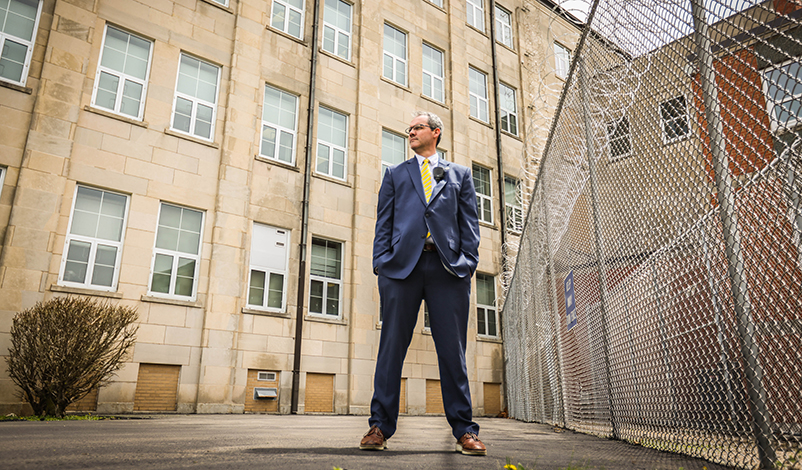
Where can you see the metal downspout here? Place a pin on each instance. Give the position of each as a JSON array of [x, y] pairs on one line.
[[310, 122], [503, 207]]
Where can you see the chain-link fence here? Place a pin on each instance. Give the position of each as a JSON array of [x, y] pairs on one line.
[[657, 293]]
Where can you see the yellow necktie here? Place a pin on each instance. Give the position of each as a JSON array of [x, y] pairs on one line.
[[426, 177]]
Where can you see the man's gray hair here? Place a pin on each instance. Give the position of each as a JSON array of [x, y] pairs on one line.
[[434, 122]]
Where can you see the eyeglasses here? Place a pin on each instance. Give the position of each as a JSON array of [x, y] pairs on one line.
[[417, 128]]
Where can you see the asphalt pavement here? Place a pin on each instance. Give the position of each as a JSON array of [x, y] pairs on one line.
[[309, 442]]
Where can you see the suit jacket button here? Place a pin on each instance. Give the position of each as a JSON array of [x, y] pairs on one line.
[[428, 214]]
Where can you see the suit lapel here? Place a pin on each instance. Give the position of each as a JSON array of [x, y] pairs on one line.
[[414, 174]]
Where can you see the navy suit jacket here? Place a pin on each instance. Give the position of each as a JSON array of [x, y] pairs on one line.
[[404, 218]]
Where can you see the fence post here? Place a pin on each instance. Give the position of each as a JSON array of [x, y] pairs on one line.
[[594, 193], [732, 238]]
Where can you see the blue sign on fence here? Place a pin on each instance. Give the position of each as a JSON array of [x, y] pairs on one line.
[[570, 300]]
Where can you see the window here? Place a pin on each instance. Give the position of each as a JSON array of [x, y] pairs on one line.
[[674, 118], [504, 26], [325, 277], [3, 171], [427, 325], [562, 60], [441, 154], [19, 20], [437, 2], [618, 138], [337, 28], [432, 73], [476, 13], [395, 55], [486, 305], [332, 138], [195, 105], [509, 109], [279, 124], [221, 2], [176, 257], [477, 90], [94, 241], [513, 204], [783, 88], [269, 258], [394, 149], [288, 16], [122, 76], [484, 194]]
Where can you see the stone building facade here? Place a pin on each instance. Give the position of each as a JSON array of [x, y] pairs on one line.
[[161, 154]]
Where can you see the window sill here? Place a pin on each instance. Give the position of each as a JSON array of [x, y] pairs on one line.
[[287, 35], [332, 179], [486, 124], [470, 26], [426, 331], [15, 87], [677, 139], [279, 163], [429, 98], [398, 85], [111, 115], [488, 225], [322, 319], [162, 300], [489, 339], [190, 138], [509, 48], [222, 7], [84, 291], [438, 7], [512, 136], [336, 57], [267, 313]]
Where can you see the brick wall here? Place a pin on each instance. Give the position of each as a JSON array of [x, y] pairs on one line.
[[156, 387], [262, 405], [319, 393], [492, 393], [434, 397]]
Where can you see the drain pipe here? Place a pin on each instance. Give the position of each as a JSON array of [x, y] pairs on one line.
[[496, 92], [310, 123]]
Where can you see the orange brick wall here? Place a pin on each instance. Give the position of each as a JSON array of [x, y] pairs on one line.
[[156, 388], [434, 397], [492, 394], [261, 405], [319, 393], [402, 399], [87, 403]]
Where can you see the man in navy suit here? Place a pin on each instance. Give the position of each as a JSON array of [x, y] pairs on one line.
[[426, 248]]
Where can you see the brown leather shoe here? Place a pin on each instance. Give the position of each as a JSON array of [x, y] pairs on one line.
[[373, 440], [469, 444]]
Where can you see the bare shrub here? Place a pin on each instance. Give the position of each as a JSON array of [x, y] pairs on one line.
[[63, 348]]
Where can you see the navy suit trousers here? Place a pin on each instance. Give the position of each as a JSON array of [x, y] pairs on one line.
[[448, 300]]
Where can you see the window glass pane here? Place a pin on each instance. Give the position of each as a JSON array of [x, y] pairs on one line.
[[170, 216], [77, 261], [295, 24], [279, 14], [13, 60], [107, 90], [257, 288], [103, 271], [299, 4], [328, 39], [203, 123], [285, 150], [316, 297], [162, 269], [322, 159], [480, 321], [187, 75], [343, 43], [132, 95], [185, 277], [183, 113], [276, 292], [333, 300], [21, 18], [338, 163], [491, 323], [268, 142], [188, 242]]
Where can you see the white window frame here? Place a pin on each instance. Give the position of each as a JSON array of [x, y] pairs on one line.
[[484, 201], [278, 128], [332, 146], [122, 78], [176, 255], [481, 101], [3, 171], [338, 32], [515, 207], [616, 138], [195, 102], [388, 163], [487, 310], [282, 236], [287, 8], [220, 2], [771, 103], [395, 59], [562, 60], [431, 77], [30, 44], [328, 281], [437, 3], [508, 112], [475, 9], [684, 116], [94, 242], [504, 29]]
